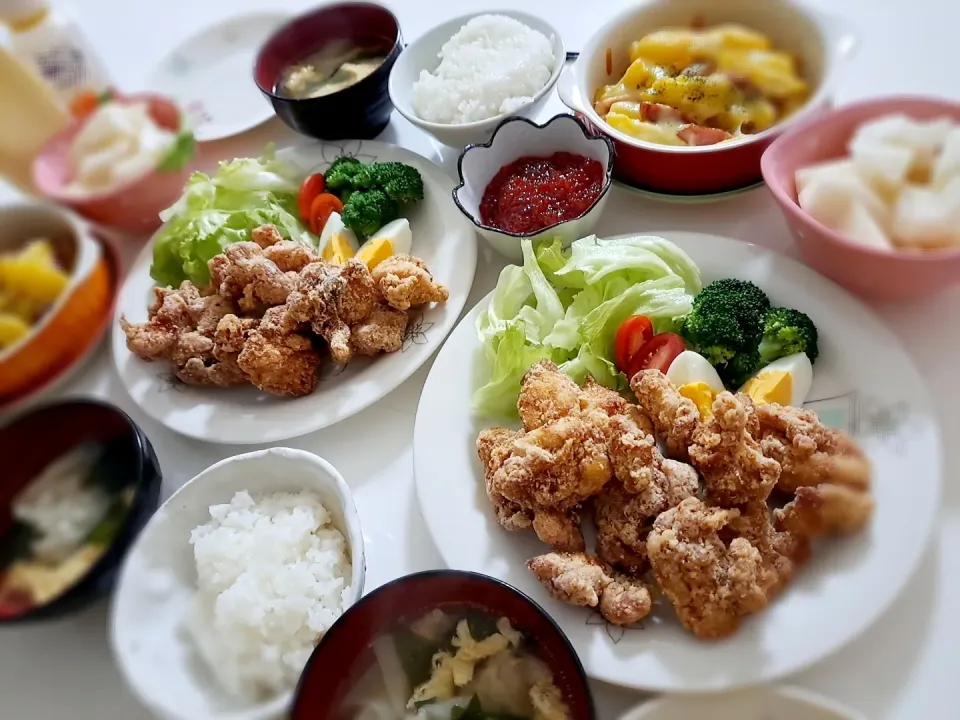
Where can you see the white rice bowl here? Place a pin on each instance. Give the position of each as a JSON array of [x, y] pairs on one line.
[[273, 575], [492, 66]]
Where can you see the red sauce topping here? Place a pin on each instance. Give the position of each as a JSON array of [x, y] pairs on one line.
[[533, 193]]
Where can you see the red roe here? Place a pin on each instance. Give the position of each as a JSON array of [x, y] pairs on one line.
[[533, 193]]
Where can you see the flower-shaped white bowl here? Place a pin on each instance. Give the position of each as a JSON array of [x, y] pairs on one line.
[[784, 703], [158, 582], [423, 54], [518, 137]]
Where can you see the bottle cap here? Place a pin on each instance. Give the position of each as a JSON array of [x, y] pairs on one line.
[[15, 10]]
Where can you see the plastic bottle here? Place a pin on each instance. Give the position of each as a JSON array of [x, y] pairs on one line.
[[54, 45]]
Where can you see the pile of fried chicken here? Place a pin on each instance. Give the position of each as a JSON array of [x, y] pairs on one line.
[[271, 308], [719, 519]]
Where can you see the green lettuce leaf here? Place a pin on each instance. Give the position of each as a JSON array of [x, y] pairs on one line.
[[216, 211]]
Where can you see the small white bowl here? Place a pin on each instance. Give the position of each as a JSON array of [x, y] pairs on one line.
[[423, 54], [775, 703], [518, 137], [158, 582]]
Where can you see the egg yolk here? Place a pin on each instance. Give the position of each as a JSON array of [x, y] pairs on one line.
[[375, 252], [770, 387], [702, 396], [337, 251]]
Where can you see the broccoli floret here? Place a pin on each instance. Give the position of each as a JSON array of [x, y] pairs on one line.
[[727, 320], [340, 175], [401, 182], [740, 368], [366, 211], [786, 332]]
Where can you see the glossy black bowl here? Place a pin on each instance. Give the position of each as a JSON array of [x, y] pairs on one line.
[[360, 111], [31, 442]]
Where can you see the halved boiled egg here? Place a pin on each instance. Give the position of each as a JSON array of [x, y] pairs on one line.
[[392, 239], [338, 243], [785, 381], [696, 379]]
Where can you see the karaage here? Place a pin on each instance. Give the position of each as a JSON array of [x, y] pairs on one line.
[[405, 282], [278, 361], [582, 580], [675, 417]]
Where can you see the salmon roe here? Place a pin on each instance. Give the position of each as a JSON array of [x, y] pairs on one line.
[[533, 193]]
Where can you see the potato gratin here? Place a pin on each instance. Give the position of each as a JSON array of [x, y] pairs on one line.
[[687, 86]]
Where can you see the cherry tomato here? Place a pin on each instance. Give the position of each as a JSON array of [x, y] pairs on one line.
[[86, 102], [657, 354], [311, 187], [632, 334], [321, 208]]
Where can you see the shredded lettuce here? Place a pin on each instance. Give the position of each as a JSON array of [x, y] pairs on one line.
[[214, 212], [566, 306]]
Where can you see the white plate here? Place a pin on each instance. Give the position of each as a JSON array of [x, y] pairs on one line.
[[441, 236], [863, 381], [772, 703], [210, 75]]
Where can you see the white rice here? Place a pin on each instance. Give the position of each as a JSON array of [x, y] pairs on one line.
[[273, 575], [491, 66]]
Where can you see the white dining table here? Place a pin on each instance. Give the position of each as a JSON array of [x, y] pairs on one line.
[[905, 666]]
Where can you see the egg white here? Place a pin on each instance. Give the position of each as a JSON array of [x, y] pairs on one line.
[[398, 233], [799, 367], [333, 227], [690, 367]]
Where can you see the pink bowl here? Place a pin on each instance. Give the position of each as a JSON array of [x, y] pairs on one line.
[[133, 207], [874, 274], [823, 41]]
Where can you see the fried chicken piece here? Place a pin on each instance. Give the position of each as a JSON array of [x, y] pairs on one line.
[[675, 417], [381, 332], [825, 508], [623, 518], [290, 256], [405, 282], [266, 236], [581, 580], [724, 450], [808, 452], [557, 524], [196, 371], [634, 454], [169, 316], [546, 395], [207, 312], [781, 550], [191, 344], [277, 361], [242, 273], [556, 466], [711, 585], [558, 529], [493, 447], [331, 298], [594, 396]]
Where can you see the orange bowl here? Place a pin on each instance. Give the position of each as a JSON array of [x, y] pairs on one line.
[[75, 323], [135, 206]]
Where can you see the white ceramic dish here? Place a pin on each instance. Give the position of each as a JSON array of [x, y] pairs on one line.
[[158, 582], [422, 54], [845, 587], [209, 75], [775, 703], [518, 137], [441, 237]]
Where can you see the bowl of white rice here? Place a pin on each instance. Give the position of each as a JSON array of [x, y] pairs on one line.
[[233, 583], [460, 79]]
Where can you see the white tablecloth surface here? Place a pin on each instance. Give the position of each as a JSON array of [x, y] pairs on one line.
[[904, 667]]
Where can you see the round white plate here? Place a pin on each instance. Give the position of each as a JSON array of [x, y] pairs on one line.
[[210, 75], [769, 703], [863, 382], [442, 237]]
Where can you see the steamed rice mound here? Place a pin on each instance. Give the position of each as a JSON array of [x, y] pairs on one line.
[[273, 575], [491, 66]]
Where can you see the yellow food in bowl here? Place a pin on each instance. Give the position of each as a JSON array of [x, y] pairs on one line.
[[687, 86], [30, 282]]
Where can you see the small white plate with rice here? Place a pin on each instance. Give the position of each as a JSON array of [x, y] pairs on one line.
[[460, 79], [232, 583]]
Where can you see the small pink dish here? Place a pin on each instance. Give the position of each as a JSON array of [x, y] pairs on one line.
[[134, 207], [871, 273]]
